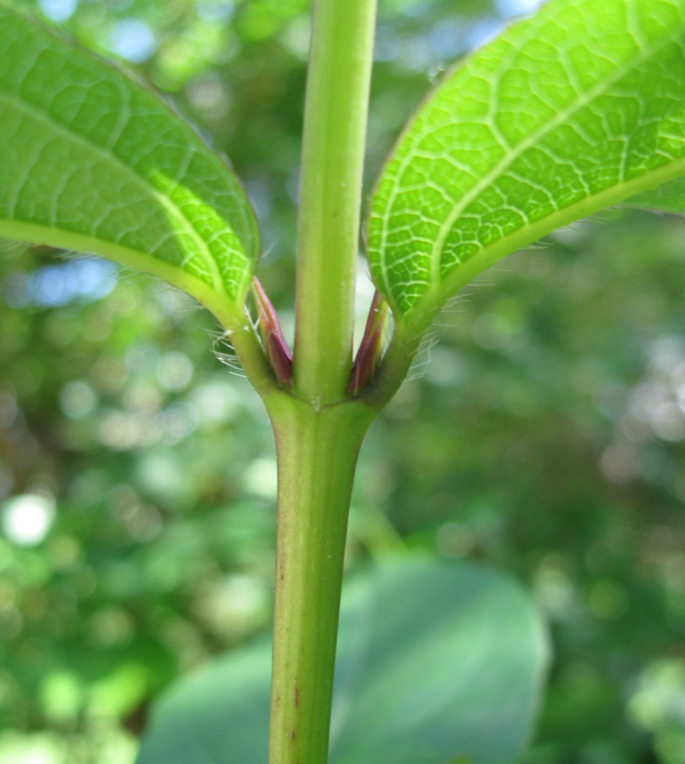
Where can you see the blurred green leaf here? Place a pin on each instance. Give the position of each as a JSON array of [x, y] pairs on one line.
[[552, 122], [91, 161], [667, 198], [433, 661]]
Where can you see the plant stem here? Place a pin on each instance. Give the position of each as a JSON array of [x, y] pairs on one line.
[[318, 442], [317, 454], [335, 121]]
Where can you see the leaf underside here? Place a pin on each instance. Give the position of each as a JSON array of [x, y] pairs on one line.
[[434, 661], [92, 161], [577, 108]]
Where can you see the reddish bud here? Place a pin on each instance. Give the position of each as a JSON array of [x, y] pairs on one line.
[[371, 348], [276, 347]]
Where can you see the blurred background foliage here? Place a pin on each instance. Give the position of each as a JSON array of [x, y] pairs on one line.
[[544, 432]]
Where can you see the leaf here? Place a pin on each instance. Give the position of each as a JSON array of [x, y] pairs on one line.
[[434, 662], [573, 110], [92, 161]]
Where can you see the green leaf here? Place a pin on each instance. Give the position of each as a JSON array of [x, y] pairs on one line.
[[92, 161], [568, 112], [434, 662]]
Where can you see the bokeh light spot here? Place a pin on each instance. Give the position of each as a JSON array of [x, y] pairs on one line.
[[27, 519]]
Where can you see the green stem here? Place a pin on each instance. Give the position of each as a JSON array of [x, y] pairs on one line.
[[317, 454], [335, 121]]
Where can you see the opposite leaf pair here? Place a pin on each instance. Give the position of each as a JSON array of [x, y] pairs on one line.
[[575, 109]]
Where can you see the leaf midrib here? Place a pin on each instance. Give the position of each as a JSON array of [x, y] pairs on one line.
[[534, 138], [137, 177]]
